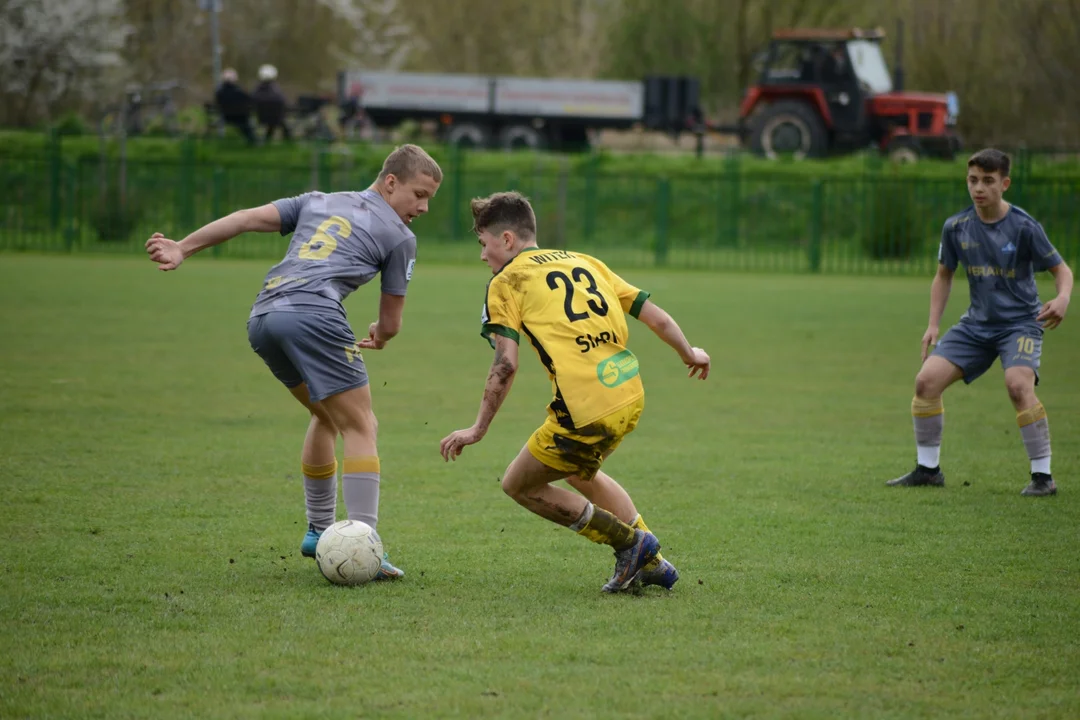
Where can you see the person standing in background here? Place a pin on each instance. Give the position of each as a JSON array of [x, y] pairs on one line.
[[270, 103]]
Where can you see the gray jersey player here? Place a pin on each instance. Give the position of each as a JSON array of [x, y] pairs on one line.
[[297, 325], [1001, 248]]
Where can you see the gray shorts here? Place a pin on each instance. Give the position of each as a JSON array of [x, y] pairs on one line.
[[319, 350], [973, 348]]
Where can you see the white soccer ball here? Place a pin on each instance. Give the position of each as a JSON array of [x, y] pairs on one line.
[[349, 553]]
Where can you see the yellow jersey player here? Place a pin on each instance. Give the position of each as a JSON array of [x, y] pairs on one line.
[[572, 309]]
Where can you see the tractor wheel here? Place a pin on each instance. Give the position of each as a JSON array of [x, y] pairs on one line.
[[789, 127], [904, 150]]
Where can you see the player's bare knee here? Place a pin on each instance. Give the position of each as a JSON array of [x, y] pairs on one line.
[[354, 420], [351, 411], [927, 386], [361, 421], [510, 487], [1021, 389]]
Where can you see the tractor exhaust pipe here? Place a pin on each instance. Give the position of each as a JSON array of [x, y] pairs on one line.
[[898, 69]]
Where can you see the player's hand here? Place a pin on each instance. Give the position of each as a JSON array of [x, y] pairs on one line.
[[1053, 312], [698, 362], [452, 445], [929, 341], [371, 342], [165, 252]]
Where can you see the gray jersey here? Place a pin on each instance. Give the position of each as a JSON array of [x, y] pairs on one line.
[[1001, 260], [340, 242]]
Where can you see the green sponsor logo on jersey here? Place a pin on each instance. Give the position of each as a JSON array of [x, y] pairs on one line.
[[617, 369]]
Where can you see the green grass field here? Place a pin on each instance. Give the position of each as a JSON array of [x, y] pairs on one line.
[[153, 512]]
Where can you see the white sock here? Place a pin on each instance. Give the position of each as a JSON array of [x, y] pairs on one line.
[[1041, 465], [929, 455]]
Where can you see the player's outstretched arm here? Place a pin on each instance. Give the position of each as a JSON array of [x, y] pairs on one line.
[[669, 331], [1053, 312], [939, 298], [169, 254], [500, 378]]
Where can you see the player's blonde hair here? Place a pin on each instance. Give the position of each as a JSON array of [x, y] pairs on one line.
[[504, 211], [408, 161]]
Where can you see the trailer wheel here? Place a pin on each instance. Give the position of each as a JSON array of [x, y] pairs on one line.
[[520, 137], [789, 127], [468, 135]]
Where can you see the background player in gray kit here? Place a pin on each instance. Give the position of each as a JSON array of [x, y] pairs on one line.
[[298, 327], [1001, 247]]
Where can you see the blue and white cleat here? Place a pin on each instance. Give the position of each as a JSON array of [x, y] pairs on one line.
[[388, 571], [311, 541], [665, 575], [629, 562]]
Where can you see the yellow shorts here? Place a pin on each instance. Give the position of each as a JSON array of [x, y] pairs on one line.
[[581, 451]]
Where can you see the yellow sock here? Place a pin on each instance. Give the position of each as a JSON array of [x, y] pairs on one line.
[[319, 472], [604, 528], [926, 408], [1031, 415], [639, 524]]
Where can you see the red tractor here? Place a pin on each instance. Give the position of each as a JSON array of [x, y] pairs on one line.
[[822, 92]]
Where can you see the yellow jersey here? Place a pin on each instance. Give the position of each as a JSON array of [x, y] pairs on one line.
[[572, 309]]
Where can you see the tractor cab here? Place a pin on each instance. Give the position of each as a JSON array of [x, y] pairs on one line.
[[823, 91]]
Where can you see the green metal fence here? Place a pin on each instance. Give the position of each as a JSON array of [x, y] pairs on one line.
[[872, 223]]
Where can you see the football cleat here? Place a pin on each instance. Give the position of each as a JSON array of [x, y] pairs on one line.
[[311, 541], [665, 575], [388, 571], [920, 477], [1041, 485], [629, 562]]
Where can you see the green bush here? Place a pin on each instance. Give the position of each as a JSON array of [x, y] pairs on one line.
[[71, 124], [894, 227], [192, 120], [116, 216], [233, 151]]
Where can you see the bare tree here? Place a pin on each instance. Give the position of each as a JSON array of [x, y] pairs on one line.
[[376, 37], [56, 52], [1048, 34], [519, 37]]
